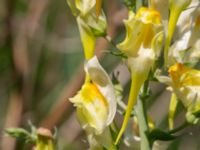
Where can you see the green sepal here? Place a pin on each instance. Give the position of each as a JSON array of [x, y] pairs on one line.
[[98, 33], [118, 54]]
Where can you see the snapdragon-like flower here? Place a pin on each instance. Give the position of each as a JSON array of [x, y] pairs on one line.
[[96, 104], [143, 33], [44, 140], [91, 22], [185, 84]]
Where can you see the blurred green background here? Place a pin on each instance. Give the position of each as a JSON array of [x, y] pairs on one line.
[[41, 66]]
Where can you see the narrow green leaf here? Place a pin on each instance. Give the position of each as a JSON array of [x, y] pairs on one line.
[[158, 134], [21, 134]]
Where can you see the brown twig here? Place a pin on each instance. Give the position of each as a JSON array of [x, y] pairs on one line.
[[13, 118]]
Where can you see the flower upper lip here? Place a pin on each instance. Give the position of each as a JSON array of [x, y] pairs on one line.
[[149, 15]]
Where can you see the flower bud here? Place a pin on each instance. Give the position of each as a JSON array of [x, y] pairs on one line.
[[44, 140]]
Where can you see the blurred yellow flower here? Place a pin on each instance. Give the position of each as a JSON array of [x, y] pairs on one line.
[[186, 85], [184, 82]]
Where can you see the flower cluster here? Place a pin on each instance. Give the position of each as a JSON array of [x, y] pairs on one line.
[[168, 29], [162, 44]]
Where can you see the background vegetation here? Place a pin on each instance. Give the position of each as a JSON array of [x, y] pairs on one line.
[[40, 68]]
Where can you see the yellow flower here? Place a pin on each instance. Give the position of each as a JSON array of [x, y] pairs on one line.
[[92, 107], [91, 22], [96, 104], [141, 45], [141, 29], [186, 85]]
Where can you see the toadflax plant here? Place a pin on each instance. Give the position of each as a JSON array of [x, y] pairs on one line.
[[162, 44]]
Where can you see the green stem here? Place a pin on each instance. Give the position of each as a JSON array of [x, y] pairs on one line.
[[142, 120], [172, 111], [184, 125]]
